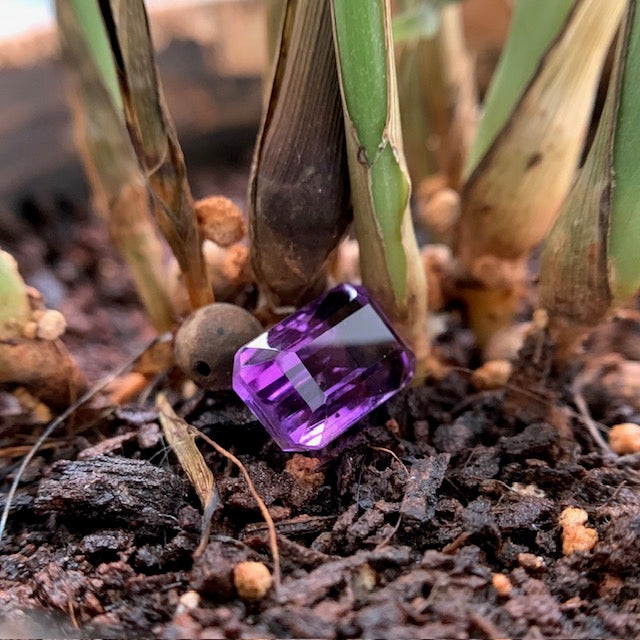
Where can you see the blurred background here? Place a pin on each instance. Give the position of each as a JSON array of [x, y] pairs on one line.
[[211, 55]]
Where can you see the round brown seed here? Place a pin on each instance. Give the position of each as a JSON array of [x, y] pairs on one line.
[[208, 339]]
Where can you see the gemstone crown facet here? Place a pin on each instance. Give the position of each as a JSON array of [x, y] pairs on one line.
[[317, 372]]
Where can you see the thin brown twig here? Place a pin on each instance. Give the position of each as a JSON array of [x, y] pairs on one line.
[[273, 541], [485, 626], [396, 526], [393, 455], [454, 545], [72, 612], [22, 449], [204, 539], [588, 421]]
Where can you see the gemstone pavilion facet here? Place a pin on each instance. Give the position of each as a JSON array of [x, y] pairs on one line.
[[316, 373]]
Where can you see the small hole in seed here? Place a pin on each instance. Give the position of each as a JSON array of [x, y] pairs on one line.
[[202, 368]]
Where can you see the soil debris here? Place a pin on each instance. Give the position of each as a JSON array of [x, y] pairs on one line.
[[419, 501], [440, 515], [108, 490]]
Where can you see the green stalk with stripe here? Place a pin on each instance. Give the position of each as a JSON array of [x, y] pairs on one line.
[[380, 184]]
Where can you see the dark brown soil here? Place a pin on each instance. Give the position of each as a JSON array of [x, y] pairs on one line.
[[397, 533]]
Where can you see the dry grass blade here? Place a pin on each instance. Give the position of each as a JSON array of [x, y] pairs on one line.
[[298, 194], [273, 540], [513, 195], [155, 140], [181, 439], [119, 192]]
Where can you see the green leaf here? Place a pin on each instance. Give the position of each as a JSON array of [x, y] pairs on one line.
[[360, 34], [89, 20], [534, 27], [624, 231], [14, 302]]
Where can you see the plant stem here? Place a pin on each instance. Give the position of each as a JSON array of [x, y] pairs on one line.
[[155, 140], [298, 193], [590, 259], [380, 184], [439, 110], [530, 152], [119, 192]]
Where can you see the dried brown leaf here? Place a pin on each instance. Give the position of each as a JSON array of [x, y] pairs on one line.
[[298, 198]]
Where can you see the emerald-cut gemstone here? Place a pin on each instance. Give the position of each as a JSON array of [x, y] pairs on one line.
[[315, 374]]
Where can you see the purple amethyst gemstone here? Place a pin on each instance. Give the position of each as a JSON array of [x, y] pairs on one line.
[[316, 373]]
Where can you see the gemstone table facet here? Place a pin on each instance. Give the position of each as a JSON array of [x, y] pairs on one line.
[[317, 372]]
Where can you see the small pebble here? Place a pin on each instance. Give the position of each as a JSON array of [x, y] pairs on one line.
[[625, 438], [575, 535], [252, 580], [51, 324], [530, 561], [188, 601], [505, 343], [573, 517], [530, 490], [220, 220], [610, 584], [492, 375], [440, 211], [572, 604], [393, 427], [501, 584], [437, 262], [363, 580]]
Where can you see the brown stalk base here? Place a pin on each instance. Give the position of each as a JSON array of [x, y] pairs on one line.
[[489, 310], [45, 368]]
